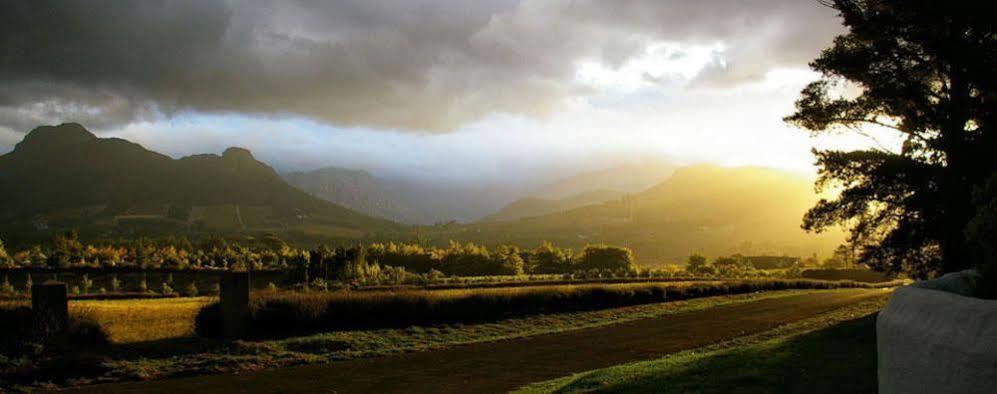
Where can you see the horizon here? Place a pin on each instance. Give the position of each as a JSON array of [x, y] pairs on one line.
[[628, 90], [498, 196]]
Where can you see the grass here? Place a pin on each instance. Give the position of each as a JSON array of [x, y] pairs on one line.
[[198, 356], [129, 321], [152, 338], [833, 353], [299, 313]]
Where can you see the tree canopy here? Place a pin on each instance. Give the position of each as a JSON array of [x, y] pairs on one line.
[[924, 70]]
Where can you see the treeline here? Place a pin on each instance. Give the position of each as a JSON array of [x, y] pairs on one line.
[[344, 263], [843, 258]]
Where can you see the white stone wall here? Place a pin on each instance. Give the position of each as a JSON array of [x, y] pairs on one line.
[[938, 341]]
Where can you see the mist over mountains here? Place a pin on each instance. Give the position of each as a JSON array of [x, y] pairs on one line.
[[430, 202], [64, 177], [701, 209]]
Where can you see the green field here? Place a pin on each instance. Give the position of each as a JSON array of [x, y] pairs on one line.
[[153, 338], [347, 345], [832, 354]]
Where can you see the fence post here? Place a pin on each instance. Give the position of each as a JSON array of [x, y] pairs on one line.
[[50, 306], [234, 300]]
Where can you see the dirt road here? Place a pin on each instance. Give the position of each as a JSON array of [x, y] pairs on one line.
[[502, 366]]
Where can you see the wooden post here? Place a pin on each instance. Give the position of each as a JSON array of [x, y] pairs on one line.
[[50, 306], [234, 300]]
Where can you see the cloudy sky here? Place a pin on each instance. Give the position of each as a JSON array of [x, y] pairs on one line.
[[463, 90]]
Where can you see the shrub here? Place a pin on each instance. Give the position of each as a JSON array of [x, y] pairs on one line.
[[6, 287], [20, 334], [86, 283], [190, 290]]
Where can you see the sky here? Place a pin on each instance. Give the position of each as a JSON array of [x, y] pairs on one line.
[[465, 91]]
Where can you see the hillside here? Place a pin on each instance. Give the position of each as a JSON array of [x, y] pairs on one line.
[[354, 189], [627, 179], [700, 209], [536, 206], [65, 177]]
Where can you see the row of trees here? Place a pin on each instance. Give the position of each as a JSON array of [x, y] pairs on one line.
[[467, 259], [844, 257], [67, 251]]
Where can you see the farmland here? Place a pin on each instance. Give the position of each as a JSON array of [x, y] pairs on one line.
[[543, 347], [154, 338], [832, 353], [140, 320]]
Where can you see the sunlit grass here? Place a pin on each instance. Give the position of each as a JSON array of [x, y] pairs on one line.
[[141, 320]]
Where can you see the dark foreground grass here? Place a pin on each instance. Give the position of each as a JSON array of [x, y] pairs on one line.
[[275, 315], [175, 357], [840, 358], [30, 345]]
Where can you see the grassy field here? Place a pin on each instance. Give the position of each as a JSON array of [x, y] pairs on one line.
[[153, 338], [835, 353], [128, 321], [142, 359], [282, 314]]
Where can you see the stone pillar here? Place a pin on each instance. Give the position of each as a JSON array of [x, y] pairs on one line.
[[50, 306], [234, 300]]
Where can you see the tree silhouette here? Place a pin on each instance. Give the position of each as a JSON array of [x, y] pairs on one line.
[[925, 70]]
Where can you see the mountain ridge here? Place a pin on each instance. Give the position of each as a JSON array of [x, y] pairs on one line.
[[65, 176], [704, 209]]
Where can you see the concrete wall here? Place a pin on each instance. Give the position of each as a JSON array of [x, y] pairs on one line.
[[932, 338]]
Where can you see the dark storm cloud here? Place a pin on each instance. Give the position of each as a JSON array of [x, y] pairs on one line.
[[430, 65]]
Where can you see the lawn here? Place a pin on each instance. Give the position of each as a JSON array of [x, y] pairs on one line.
[[832, 354]]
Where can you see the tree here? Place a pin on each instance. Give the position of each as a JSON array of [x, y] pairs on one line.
[[547, 259], [730, 266], [606, 258], [842, 258], [982, 235], [3, 253], [922, 70], [507, 261], [697, 265]]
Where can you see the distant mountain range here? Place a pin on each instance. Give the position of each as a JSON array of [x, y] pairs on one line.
[[65, 177], [354, 189], [586, 188], [627, 179], [401, 200], [536, 206], [700, 209]]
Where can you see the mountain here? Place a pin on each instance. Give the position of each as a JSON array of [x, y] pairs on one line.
[[64, 176], [628, 179], [700, 209], [586, 188], [536, 206], [354, 189]]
